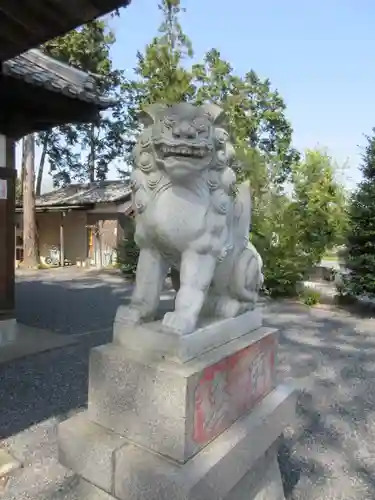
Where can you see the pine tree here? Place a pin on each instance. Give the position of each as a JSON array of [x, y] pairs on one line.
[[361, 235], [163, 77]]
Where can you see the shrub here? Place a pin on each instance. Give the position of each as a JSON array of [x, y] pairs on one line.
[[310, 297], [128, 251], [293, 230]]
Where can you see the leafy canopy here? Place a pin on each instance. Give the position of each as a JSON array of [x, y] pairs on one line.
[[84, 152]]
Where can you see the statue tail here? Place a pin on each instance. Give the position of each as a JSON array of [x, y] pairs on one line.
[[247, 275], [242, 216]]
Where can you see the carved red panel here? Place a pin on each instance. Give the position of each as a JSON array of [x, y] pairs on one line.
[[232, 387]]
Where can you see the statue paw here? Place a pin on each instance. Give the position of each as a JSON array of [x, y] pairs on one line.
[[228, 308], [128, 314], [178, 323]]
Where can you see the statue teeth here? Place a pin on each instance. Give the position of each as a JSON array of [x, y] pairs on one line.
[[183, 151]]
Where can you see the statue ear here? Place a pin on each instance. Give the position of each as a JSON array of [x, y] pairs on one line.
[[216, 115], [149, 114]]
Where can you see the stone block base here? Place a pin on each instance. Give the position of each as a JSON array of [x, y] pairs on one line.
[[152, 338], [262, 482], [171, 417], [239, 464], [176, 409], [79, 489]]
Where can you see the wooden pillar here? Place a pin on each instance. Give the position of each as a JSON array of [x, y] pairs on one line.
[[62, 249], [7, 228]]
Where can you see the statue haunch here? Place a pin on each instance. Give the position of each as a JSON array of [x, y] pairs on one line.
[[191, 217]]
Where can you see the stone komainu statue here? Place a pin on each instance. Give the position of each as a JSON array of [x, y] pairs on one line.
[[191, 217]]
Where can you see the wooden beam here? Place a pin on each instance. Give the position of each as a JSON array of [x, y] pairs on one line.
[[31, 19], [7, 240], [80, 10], [14, 33]]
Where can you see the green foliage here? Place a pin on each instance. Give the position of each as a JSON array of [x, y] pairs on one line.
[[310, 297], [320, 202], [276, 236], [128, 251], [361, 234], [83, 152], [292, 232], [256, 112], [160, 74]]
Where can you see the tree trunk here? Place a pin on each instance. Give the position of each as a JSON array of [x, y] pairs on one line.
[[92, 154], [39, 179], [30, 249], [23, 162]]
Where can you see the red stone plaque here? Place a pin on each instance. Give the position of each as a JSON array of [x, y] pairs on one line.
[[232, 387]]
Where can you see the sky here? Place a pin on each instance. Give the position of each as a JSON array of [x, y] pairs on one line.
[[319, 55]]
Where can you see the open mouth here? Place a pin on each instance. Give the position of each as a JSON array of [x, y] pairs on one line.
[[182, 151]]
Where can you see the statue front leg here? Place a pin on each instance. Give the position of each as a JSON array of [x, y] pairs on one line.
[[195, 278], [151, 273]]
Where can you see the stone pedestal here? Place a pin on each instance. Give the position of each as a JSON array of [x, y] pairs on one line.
[[182, 418]]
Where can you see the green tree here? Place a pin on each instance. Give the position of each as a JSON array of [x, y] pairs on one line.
[[284, 227], [256, 113], [83, 152], [292, 232], [321, 203], [361, 231], [160, 74]]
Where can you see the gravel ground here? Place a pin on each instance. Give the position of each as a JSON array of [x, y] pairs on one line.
[[329, 455]]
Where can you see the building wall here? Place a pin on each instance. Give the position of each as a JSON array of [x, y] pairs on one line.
[[107, 230], [48, 226], [105, 238], [75, 234]]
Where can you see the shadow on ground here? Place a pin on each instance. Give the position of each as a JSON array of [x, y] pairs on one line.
[[48, 384], [70, 303], [330, 454]]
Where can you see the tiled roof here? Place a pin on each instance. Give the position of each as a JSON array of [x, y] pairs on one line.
[[85, 194], [38, 69]]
